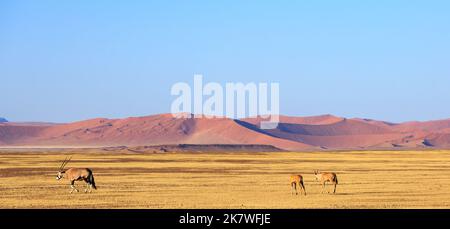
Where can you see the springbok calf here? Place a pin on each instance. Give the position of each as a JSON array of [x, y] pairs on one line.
[[297, 181], [326, 177], [76, 174]]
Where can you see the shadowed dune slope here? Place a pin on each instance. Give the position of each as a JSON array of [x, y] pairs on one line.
[[438, 139]]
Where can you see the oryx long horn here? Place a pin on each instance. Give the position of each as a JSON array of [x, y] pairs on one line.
[[60, 167], [70, 158], [65, 163]]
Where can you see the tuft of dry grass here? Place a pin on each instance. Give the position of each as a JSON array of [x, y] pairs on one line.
[[367, 179]]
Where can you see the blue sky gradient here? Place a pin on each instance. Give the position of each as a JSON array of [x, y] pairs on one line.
[[64, 61]]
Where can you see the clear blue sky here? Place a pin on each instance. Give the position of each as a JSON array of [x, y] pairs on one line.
[[63, 61]]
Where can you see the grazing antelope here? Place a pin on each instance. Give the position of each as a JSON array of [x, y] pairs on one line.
[[76, 174], [297, 181], [326, 177]]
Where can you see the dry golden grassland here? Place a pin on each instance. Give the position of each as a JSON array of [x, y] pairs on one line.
[[367, 179]]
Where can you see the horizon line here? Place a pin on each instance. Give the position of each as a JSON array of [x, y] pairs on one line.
[[217, 117]]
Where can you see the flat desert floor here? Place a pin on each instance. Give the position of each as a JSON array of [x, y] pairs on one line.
[[367, 179]]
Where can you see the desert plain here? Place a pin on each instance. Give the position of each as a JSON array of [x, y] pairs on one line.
[[367, 179]]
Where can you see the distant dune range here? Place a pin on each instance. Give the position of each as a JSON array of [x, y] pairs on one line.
[[293, 133]]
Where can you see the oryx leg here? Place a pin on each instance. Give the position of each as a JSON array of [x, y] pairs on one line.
[[294, 188], [334, 191], [303, 188], [72, 185], [87, 185], [323, 186]]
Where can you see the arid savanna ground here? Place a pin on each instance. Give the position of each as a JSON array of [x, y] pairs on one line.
[[368, 179]]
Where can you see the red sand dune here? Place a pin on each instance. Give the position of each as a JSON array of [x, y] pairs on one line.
[[438, 139], [425, 126], [446, 131], [292, 133], [346, 133], [11, 133], [149, 130], [310, 120]]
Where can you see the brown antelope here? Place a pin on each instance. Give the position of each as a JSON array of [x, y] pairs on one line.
[[297, 181], [326, 177], [76, 174]]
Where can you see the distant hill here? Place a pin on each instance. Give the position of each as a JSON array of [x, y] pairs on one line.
[[194, 134], [3, 119]]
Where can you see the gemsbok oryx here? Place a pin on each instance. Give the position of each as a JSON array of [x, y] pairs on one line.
[[297, 181], [76, 174], [326, 177]]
